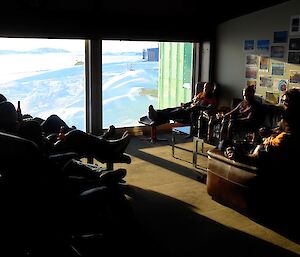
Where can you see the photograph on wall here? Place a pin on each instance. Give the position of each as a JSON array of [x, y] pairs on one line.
[[294, 76], [251, 59], [277, 69], [294, 44], [265, 81], [251, 83], [248, 45], [264, 63], [272, 97], [280, 37], [263, 45], [295, 25], [294, 57], [277, 51], [280, 85], [251, 72]]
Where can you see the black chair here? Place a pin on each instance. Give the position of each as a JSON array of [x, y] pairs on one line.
[[145, 120], [42, 212]]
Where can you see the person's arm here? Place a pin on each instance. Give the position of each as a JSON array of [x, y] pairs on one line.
[[228, 114]]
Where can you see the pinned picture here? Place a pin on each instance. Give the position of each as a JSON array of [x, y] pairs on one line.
[[294, 44], [277, 51], [264, 63], [294, 57], [248, 45], [251, 72], [263, 45], [294, 76], [272, 97], [278, 69], [251, 59], [280, 37], [280, 85], [295, 25], [265, 81], [251, 83]]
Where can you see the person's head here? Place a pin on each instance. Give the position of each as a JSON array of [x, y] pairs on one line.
[[249, 93], [291, 104], [2, 98], [208, 88], [8, 117]]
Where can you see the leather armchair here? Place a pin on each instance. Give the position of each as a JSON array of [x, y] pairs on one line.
[[267, 190], [230, 182]]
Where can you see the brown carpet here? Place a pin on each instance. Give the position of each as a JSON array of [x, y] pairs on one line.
[[176, 217]]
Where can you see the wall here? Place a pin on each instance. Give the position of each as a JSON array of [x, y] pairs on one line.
[[230, 60]]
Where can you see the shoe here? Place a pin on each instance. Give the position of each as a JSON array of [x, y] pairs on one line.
[[112, 176], [110, 132]]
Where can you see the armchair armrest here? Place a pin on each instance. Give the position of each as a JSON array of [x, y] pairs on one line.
[[62, 158]]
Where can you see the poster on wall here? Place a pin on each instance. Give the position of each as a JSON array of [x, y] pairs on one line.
[[251, 59], [295, 25], [294, 76], [251, 83], [294, 44], [249, 45], [251, 72], [280, 85], [265, 81], [264, 63], [277, 52], [263, 45], [280, 37], [294, 57], [272, 97], [278, 69]]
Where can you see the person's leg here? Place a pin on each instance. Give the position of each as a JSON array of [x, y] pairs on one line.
[[224, 129], [89, 145], [161, 116], [210, 128], [179, 113]]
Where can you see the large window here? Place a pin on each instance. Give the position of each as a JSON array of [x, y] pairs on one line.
[[46, 75], [136, 74]]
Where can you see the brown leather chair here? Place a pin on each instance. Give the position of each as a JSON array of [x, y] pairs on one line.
[[230, 182]]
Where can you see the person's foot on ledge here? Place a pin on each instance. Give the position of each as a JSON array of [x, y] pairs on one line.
[[152, 114]]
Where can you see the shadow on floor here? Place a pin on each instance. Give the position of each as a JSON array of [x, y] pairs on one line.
[[170, 227]]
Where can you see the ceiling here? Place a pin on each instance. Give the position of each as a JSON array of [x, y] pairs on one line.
[[122, 19]]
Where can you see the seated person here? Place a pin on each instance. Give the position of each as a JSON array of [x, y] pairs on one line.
[[84, 144], [283, 140], [246, 116], [275, 189], [188, 111]]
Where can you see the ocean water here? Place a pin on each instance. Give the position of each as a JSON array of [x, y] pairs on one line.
[[52, 84]]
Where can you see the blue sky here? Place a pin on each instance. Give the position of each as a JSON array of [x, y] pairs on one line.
[[73, 44]]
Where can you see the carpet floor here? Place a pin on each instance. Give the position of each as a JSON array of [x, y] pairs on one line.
[[175, 216]]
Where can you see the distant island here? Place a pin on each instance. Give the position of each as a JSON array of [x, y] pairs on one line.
[[122, 53], [45, 50]]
